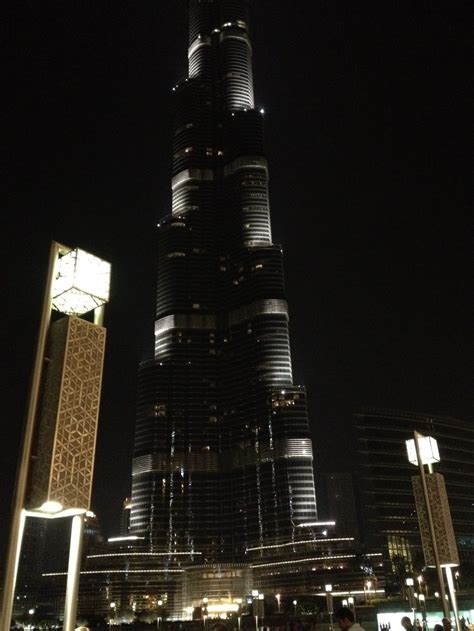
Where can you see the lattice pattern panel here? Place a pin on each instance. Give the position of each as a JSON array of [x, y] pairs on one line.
[[65, 448], [443, 524]]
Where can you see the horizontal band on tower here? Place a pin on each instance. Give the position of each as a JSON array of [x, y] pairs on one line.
[[283, 449], [185, 321], [191, 174], [259, 307], [245, 162]]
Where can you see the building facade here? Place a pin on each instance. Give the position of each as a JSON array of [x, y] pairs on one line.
[[223, 456]]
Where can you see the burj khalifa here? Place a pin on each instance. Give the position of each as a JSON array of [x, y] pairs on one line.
[[223, 460]]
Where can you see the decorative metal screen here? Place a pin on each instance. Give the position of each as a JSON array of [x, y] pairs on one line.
[[443, 525], [67, 427]]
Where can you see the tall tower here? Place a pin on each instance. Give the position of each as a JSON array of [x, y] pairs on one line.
[[223, 456]]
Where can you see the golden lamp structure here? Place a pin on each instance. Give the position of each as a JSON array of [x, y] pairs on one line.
[[54, 477]]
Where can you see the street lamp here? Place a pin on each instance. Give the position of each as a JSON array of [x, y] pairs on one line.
[[260, 607], [328, 588], [112, 606], [367, 588], [278, 599], [57, 482], [434, 517], [351, 603], [421, 598], [205, 600], [421, 581], [409, 582], [295, 602], [160, 613]]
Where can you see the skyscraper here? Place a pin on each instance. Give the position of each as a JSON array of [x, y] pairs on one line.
[[223, 456]]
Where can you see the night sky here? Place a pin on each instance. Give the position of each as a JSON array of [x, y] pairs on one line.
[[367, 125]]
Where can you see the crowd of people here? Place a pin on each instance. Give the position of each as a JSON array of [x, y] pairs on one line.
[[346, 621]]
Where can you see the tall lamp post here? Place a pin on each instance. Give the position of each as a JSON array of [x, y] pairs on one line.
[[69, 358], [409, 582], [351, 603], [278, 599], [160, 613], [205, 600], [421, 598], [112, 610], [434, 516], [329, 603]]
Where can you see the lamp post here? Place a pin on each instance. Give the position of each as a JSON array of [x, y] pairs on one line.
[[160, 613], [329, 603], [239, 612], [30, 613], [423, 450], [421, 582], [367, 588], [434, 516], [278, 599], [255, 606], [352, 606], [112, 607], [295, 602], [205, 600], [261, 606], [421, 598], [409, 582], [76, 283]]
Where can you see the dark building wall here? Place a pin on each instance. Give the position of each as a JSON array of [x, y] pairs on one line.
[[337, 501]]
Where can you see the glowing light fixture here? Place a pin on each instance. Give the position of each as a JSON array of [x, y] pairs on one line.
[[428, 450], [82, 283], [51, 507], [223, 608]]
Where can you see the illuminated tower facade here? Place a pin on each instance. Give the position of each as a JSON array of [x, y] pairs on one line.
[[223, 457]]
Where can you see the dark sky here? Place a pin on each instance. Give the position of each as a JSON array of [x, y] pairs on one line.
[[367, 122]]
